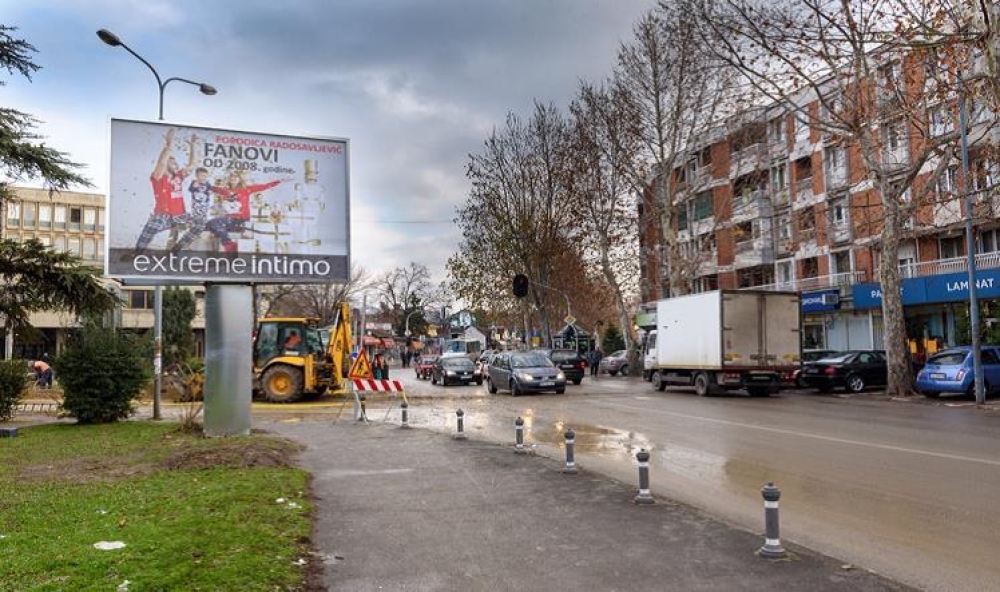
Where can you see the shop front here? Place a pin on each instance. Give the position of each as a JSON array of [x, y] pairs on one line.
[[829, 322]]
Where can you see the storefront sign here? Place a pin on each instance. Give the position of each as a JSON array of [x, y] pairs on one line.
[[820, 301], [946, 287]]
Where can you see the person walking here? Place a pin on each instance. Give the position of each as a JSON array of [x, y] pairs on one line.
[[595, 361], [380, 368]]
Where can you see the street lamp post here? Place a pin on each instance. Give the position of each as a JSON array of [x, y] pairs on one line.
[[111, 39], [406, 331]]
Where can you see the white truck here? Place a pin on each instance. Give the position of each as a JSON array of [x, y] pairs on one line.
[[725, 340]]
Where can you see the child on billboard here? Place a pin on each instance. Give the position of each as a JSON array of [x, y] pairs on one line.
[[167, 179], [236, 204], [200, 190]]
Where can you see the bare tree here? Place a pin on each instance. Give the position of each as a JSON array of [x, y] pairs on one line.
[[321, 301], [874, 67]]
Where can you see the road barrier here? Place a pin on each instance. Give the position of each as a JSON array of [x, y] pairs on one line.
[[772, 548], [644, 496], [460, 434], [570, 467]]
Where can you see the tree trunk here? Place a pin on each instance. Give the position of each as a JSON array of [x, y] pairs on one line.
[[900, 373]]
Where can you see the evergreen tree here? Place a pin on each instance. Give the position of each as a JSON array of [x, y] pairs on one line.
[[613, 340], [178, 312], [33, 276]]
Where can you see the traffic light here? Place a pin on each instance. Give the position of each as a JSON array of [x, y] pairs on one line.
[[520, 285]]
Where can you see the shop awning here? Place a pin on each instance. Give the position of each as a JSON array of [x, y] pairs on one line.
[[388, 342], [369, 341]]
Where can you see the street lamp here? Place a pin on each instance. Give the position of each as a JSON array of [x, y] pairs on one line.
[[113, 40], [406, 331]]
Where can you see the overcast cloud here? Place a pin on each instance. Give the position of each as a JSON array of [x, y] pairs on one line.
[[415, 85]]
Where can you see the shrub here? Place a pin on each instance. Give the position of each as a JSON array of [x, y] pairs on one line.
[[102, 371], [13, 381]]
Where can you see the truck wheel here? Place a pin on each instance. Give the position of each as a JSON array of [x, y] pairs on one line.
[[701, 384], [658, 382], [758, 391], [855, 383], [282, 383]]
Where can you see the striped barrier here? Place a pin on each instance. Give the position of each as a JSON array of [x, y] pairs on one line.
[[382, 386]]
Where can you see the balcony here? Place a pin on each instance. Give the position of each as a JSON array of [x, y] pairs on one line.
[[894, 159], [780, 197], [753, 252], [804, 189], [747, 159], [700, 177], [951, 265], [835, 280], [840, 232], [751, 205], [835, 177], [777, 148]]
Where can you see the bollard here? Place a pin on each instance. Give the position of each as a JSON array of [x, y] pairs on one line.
[[8, 432], [403, 407], [364, 413], [643, 497], [460, 434], [570, 468], [519, 436], [772, 548]]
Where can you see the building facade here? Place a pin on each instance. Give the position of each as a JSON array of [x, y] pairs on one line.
[[770, 201], [74, 222]]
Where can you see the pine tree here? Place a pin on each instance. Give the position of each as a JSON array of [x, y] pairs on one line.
[[178, 312]]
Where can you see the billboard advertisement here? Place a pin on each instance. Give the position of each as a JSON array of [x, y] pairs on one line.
[[208, 205]]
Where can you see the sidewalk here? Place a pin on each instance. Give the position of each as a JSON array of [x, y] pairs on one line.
[[416, 510]]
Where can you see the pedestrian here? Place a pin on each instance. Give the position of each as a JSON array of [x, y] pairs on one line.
[[380, 368], [595, 361], [43, 373]]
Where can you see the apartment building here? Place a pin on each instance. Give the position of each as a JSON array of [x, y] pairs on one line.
[[75, 222], [770, 202]]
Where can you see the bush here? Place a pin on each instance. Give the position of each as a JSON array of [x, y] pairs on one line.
[[102, 371], [13, 381]]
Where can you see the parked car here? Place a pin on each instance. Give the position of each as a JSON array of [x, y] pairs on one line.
[[425, 366], [615, 363], [455, 370], [853, 370], [524, 372], [809, 355], [570, 362], [483, 364], [951, 371]]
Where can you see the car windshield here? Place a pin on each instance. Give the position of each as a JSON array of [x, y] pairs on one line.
[[529, 360], [456, 363], [949, 358], [428, 359], [619, 354], [562, 356]]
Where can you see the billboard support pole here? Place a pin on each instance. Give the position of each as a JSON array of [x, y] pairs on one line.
[[229, 325]]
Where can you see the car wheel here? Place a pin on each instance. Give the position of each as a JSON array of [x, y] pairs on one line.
[[491, 387], [515, 389], [613, 372], [658, 382], [972, 391], [701, 384], [624, 370], [577, 381], [855, 383]]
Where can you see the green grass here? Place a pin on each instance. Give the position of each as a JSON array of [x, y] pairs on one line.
[[65, 487]]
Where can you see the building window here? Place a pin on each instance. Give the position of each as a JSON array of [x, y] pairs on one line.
[[838, 212], [74, 246], [702, 206], [785, 272], [59, 244], [989, 241], [28, 215], [814, 336], [682, 218], [138, 299], [776, 133], [840, 262], [44, 216], [60, 217], [90, 249], [13, 213], [779, 177], [951, 247], [75, 218], [45, 240], [89, 219], [100, 248], [100, 220]]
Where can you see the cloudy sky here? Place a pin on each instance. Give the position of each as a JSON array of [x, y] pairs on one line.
[[416, 85]]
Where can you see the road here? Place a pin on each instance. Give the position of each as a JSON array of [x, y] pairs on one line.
[[905, 489]]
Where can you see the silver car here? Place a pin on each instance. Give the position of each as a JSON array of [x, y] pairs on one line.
[[525, 372], [615, 363]]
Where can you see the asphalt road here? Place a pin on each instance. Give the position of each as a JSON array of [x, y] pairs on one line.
[[907, 489]]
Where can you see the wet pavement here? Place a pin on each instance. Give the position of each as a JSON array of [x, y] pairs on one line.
[[417, 510]]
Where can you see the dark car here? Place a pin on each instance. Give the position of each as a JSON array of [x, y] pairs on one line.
[[951, 371], [853, 370], [570, 362], [524, 372], [425, 366], [455, 370], [615, 363], [809, 355]]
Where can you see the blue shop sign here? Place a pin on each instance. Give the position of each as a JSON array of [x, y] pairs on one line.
[[820, 301], [945, 287]]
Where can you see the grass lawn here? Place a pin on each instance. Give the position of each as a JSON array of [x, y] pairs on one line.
[[194, 513]]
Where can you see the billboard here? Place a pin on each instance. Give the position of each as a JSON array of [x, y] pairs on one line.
[[208, 205]]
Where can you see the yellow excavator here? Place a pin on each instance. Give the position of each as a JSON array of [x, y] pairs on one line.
[[294, 359]]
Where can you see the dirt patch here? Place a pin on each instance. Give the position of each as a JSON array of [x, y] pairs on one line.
[[85, 470], [236, 454]]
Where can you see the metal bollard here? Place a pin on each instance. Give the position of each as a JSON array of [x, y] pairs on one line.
[[460, 434], [570, 436], [519, 436], [364, 413], [403, 407], [643, 497], [772, 548]]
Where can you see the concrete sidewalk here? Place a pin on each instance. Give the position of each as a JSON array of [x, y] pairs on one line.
[[416, 510]]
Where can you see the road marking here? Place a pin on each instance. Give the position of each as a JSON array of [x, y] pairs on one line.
[[862, 443]]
